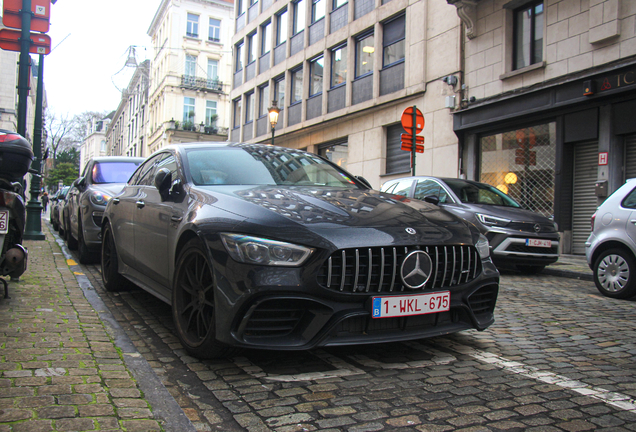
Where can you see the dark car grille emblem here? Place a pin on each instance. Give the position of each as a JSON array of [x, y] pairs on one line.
[[416, 269], [537, 228], [410, 231]]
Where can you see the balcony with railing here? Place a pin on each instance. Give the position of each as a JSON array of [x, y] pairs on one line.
[[206, 84]]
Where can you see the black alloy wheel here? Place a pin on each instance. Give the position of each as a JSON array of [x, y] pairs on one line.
[[615, 274], [113, 281], [193, 309]]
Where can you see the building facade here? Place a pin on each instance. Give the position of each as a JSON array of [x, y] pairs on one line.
[[95, 144], [547, 114], [190, 72], [342, 73], [126, 133]]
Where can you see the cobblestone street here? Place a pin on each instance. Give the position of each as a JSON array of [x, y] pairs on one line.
[[560, 357]]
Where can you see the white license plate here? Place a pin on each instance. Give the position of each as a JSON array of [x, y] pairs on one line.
[[539, 243], [4, 221], [418, 304]]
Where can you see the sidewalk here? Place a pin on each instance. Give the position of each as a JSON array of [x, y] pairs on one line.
[[65, 364], [570, 266]]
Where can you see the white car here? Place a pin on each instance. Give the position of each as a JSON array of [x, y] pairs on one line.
[[611, 248]]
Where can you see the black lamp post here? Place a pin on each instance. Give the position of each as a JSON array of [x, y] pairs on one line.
[[273, 117]]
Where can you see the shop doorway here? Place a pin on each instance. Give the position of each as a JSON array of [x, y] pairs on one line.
[[584, 200]]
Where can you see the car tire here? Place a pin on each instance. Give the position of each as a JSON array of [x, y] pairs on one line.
[[615, 274], [113, 281], [530, 269], [193, 306], [71, 242], [86, 256]]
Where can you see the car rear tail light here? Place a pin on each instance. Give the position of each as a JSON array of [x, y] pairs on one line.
[[592, 220], [6, 198], [4, 137]]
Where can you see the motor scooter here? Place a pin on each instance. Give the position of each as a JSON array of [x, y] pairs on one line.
[[15, 160]]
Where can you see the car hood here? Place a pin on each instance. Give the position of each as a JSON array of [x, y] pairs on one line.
[[343, 217], [512, 213], [111, 189]]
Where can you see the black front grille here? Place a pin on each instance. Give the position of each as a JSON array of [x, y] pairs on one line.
[[275, 318], [377, 269], [483, 300]]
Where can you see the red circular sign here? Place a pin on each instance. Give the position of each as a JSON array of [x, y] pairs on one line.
[[407, 120]]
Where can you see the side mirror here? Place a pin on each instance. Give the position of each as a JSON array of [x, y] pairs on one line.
[[364, 181], [432, 199], [163, 181]]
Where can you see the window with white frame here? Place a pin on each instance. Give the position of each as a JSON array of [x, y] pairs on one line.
[[192, 27], [213, 69], [214, 33], [188, 110], [528, 34], [338, 3], [190, 65], [210, 113], [393, 43]]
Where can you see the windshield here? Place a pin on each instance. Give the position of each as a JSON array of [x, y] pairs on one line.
[[263, 166], [479, 193], [113, 172]]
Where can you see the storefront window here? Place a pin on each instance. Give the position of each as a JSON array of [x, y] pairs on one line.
[[521, 163]]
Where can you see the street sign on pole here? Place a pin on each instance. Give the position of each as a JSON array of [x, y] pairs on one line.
[[41, 9], [407, 143], [407, 120], [10, 41]]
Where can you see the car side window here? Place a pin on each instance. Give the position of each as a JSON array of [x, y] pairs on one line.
[[429, 187], [169, 162], [147, 171], [630, 200], [403, 188]]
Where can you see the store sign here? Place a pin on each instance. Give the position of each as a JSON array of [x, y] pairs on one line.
[[616, 81]]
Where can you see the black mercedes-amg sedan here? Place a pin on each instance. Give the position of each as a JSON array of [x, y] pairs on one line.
[[276, 248]]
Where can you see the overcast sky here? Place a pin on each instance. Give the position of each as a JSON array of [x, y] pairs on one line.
[[90, 40]]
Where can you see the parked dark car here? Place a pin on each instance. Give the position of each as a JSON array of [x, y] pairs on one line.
[[611, 248], [275, 248], [101, 179], [57, 203], [518, 238]]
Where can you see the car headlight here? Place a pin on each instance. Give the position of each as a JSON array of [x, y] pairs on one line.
[[255, 250], [482, 246], [99, 198], [489, 220]]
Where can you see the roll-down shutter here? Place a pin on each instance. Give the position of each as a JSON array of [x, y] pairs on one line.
[[584, 199], [630, 157]]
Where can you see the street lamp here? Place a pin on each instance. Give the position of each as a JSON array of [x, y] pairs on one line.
[[273, 117]]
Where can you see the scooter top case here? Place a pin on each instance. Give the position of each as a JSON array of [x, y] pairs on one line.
[[16, 155]]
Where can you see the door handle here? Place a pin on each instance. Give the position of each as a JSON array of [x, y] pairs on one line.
[[115, 200], [140, 204], [176, 219]]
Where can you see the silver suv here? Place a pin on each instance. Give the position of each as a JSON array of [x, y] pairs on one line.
[[611, 248]]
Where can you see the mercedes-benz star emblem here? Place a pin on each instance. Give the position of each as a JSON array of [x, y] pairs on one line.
[[537, 228], [410, 231], [416, 269]]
